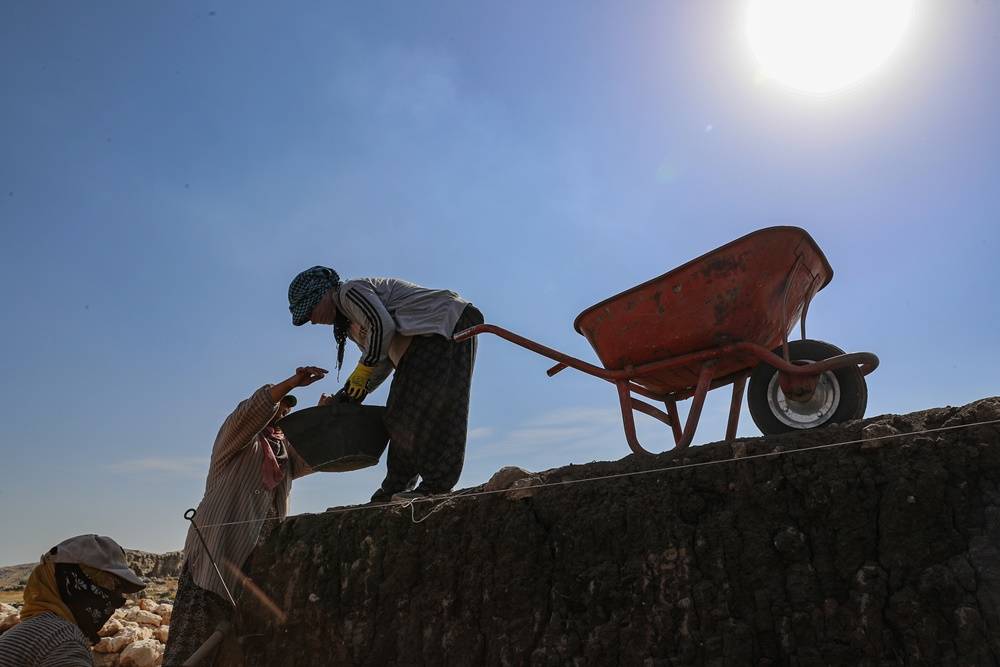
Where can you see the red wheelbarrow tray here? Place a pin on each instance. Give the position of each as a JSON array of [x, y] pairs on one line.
[[735, 293], [703, 325]]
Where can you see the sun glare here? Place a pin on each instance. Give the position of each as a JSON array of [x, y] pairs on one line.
[[821, 46]]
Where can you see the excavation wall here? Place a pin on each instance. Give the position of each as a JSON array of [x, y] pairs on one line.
[[882, 551]]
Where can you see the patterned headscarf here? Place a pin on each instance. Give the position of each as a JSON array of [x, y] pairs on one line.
[[307, 289], [80, 594]]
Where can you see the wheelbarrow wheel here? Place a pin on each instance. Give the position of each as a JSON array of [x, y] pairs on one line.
[[841, 394]]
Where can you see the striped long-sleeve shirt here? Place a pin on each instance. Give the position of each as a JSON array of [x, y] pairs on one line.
[[45, 640], [387, 306], [235, 494]]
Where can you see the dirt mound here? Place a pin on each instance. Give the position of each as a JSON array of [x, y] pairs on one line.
[[775, 550]]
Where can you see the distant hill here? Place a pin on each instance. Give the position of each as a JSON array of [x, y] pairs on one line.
[[143, 563], [13, 577]]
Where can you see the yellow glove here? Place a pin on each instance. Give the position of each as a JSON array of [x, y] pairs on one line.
[[357, 384]]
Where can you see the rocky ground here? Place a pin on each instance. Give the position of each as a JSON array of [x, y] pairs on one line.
[[882, 551], [134, 637]]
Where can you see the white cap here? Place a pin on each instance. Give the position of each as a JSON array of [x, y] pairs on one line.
[[96, 551]]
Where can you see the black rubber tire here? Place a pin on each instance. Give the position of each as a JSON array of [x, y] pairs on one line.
[[853, 389]]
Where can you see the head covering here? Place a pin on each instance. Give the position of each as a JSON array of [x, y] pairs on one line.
[[99, 552], [81, 580], [41, 594], [306, 290], [91, 603]]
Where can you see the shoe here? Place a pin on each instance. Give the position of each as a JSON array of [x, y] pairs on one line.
[[409, 495], [381, 496]]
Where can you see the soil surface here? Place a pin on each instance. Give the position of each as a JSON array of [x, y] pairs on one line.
[[883, 551]]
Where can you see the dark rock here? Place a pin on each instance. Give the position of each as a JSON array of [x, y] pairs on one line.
[[845, 556]]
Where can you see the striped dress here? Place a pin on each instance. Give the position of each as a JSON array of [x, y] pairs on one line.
[[46, 640], [235, 495]]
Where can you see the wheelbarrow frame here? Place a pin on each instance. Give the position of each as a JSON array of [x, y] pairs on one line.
[[797, 380]]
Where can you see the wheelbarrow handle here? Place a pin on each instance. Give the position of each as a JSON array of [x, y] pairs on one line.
[[555, 369], [564, 360]]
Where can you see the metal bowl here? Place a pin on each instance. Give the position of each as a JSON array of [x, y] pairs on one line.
[[338, 437]]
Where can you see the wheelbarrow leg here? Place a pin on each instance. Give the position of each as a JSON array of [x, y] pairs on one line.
[[734, 408], [628, 419], [682, 439], [697, 403], [675, 419]]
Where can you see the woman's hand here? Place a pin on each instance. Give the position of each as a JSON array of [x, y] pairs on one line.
[[306, 375], [357, 383]]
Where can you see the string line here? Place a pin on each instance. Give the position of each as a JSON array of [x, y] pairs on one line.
[[444, 498]]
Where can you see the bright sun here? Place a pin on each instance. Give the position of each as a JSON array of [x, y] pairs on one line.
[[820, 46]]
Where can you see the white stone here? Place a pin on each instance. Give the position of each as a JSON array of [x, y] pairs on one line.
[[105, 660], [9, 616], [143, 653], [164, 611], [128, 635], [143, 617], [161, 633], [113, 644], [111, 628], [148, 605], [505, 477]]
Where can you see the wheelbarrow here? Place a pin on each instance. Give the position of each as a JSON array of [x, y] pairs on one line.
[[720, 320]]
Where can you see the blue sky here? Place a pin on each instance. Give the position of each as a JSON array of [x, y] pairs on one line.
[[168, 167]]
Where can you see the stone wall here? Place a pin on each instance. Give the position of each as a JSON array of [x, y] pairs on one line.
[[886, 551]]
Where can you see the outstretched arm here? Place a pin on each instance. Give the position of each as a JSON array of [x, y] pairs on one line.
[[253, 414], [304, 376]]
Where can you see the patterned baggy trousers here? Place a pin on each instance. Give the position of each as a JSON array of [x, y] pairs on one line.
[[196, 614], [427, 414]]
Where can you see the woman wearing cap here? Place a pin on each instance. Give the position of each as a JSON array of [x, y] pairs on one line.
[[70, 595], [407, 327]]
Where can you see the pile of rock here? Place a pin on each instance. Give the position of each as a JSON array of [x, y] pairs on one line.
[[9, 616], [135, 636]]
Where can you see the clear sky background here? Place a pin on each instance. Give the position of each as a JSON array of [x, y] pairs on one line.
[[166, 168]]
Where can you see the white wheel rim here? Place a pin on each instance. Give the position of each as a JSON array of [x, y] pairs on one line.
[[805, 414]]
